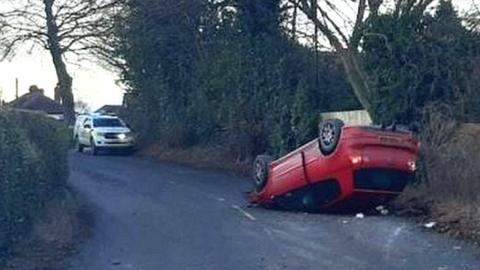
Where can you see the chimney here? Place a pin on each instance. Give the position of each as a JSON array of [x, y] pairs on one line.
[[35, 89]]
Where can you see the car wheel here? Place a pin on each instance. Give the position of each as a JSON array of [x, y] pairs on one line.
[[330, 131], [93, 147], [78, 145], [260, 171]]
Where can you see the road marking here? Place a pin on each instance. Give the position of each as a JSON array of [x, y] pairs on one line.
[[245, 213], [267, 231], [391, 239], [221, 199]]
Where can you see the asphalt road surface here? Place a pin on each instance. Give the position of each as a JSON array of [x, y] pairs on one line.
[[156, 216]]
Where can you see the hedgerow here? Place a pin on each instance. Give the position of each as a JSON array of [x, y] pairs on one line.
[[33, 169]]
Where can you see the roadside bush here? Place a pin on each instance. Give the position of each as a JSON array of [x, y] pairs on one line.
[[449, 175], [51, 139], [33, 170], [450, 156]]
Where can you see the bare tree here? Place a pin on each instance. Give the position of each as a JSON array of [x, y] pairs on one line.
[[342, 22], [294, 18], [63, 27], [472, 18], [82, 107]]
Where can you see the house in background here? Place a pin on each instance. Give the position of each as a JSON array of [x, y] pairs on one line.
[[111, 109], [35, 100]]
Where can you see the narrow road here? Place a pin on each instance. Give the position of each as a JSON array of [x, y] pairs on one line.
[[154, 216]]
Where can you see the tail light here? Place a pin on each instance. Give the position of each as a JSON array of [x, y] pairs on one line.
[[412, 165], [356, 160]]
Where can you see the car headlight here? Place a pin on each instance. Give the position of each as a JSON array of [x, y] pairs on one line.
[[122, 136], [100, 134]]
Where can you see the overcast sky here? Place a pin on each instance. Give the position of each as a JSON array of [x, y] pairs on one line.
[[91, 83]]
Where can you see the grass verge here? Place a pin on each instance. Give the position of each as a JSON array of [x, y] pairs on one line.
[[199, 157], [456, 219], [56, 233]]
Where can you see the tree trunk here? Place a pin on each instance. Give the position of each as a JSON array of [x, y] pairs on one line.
[[64, 79], [294, 20], [356, 77], [349, 55]]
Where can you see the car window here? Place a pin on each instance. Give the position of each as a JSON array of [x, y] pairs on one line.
[[108, 122]]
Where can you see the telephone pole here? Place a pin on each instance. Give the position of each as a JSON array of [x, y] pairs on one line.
[[16, 88], [315, 6]]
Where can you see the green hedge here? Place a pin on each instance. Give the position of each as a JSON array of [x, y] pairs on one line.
[[33, 169]]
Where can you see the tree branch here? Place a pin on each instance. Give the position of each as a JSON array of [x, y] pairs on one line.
[[358, 27]]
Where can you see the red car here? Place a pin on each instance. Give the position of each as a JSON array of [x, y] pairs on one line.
[[346, 167]]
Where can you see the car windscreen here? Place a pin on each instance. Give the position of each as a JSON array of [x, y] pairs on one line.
[[107, 122]]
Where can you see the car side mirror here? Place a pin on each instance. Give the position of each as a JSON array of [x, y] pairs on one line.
[[87, 126]]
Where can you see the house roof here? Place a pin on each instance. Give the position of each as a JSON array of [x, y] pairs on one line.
[[36, 101], [116, 109]]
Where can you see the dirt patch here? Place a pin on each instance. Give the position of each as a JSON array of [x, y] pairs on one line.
[[199, 157], [65, 223], [453, 218]]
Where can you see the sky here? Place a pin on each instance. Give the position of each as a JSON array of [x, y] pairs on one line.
[[91, 83]]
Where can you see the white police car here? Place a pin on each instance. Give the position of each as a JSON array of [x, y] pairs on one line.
[[102, 132]]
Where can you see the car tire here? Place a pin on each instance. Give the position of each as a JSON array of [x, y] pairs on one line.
[[329, 135], [260, 171], [93, 147], [78, 145]]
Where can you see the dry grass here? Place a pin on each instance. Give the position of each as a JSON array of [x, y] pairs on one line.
[[449, 188], [452, 168], [452, 217], [56, 233], [206, 157]]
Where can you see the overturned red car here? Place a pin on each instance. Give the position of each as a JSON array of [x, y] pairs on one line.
[[346, 167]]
